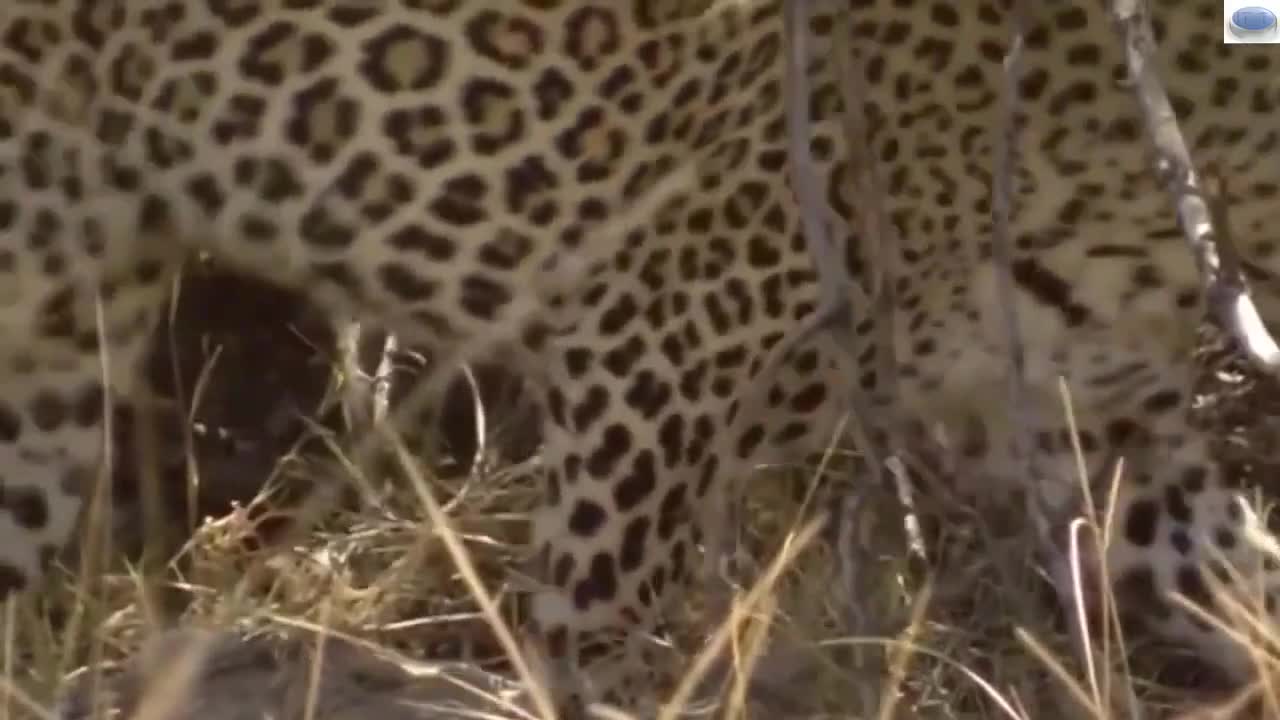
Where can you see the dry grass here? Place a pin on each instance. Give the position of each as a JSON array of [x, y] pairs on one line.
[[972, 634]]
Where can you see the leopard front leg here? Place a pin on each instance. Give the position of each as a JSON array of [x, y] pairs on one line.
[[645, 424], [628, 462]]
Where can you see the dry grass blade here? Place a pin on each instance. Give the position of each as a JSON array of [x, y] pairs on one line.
[[900, 656], [1003, 703], [1076, 692], [458, 553], [720, 638], [11, 691], [165, 697]]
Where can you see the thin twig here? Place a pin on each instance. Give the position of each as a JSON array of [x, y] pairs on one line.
[[878, 234], [834, 311], [1003, 191], [842, 301], [838, 293], [1051, 518], [881, 247], [1225, 288], [1045, 516], [1001, 245]]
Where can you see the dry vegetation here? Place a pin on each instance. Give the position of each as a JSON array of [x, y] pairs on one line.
[[372, 608], [365, 611]]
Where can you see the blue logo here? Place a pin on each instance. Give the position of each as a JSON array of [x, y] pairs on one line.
[[1252, 23]]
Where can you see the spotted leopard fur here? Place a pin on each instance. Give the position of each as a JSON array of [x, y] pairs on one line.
[[426, 163]]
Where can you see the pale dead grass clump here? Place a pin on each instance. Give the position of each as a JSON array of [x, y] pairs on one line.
[[381, 575]]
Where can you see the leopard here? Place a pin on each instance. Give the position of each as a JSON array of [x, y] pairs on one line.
[[600, 193]]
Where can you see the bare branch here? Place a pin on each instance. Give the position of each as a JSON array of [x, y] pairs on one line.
[[838, 292], [877, 233], [1003, 178], [847, 304], [1226, 290], [1051, 517], [834, 309]]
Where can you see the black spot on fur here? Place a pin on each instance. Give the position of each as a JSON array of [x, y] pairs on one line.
[[1140, 523]]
